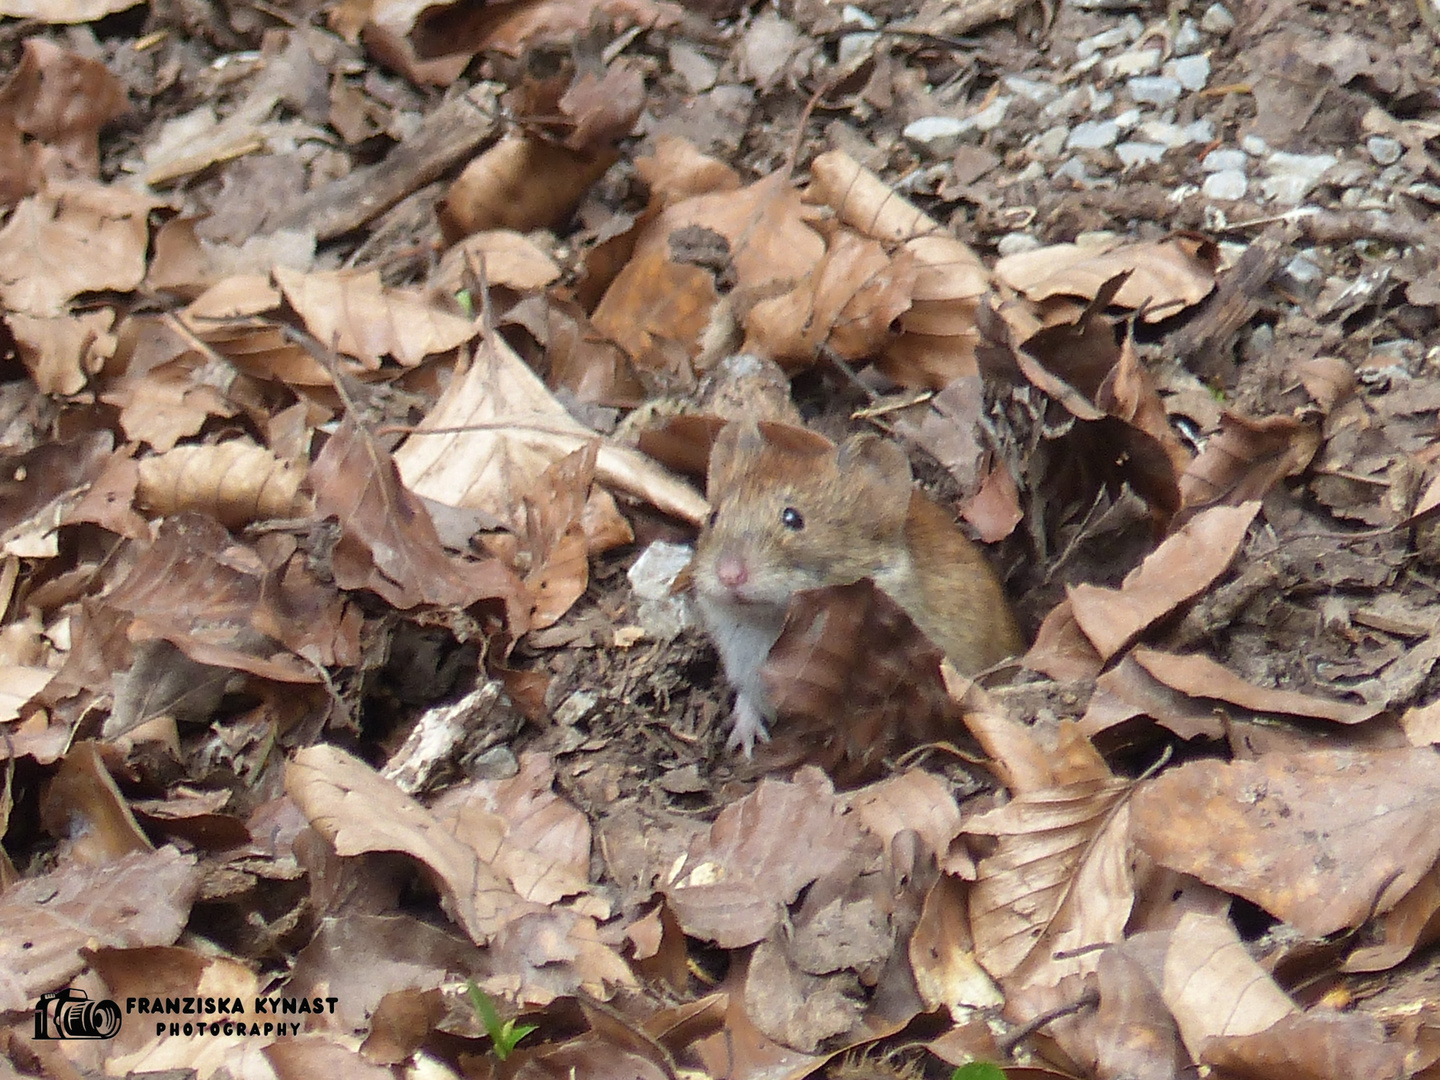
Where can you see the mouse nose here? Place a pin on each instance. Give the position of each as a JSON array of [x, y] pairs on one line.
[[730, 569]]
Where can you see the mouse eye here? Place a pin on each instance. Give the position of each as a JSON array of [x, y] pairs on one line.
[[714, 517], [791, 519]]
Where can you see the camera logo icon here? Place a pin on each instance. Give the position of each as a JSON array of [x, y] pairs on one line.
[[70, 1014]]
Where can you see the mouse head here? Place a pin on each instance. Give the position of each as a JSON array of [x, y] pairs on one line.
[[791, 512]]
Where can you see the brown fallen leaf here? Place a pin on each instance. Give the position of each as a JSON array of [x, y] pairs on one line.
[[511, 260], [63, 353], [83, 806], [63, 100], [74, 237], [1178, 570], [235, 482], [1201, 677], [1247, 458], [1165, 276], [497, 189], [1321, 1043], [514, 429], [1214, 988], [1320, 839], [388, 543], [358, 811], [352, 312], [759, 854], [45, 921]]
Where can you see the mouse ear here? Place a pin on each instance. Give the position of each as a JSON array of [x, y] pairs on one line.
[[881, 469], [737, 440], [876, 455]]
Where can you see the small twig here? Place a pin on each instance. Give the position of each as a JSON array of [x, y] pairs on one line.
[[1087, 1000]]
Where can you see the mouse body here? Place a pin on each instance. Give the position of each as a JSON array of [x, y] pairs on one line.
[[792, 512]]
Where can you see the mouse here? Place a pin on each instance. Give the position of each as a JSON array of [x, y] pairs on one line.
[[791, 511]]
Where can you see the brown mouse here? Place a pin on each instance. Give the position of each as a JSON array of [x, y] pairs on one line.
[[791, 512]]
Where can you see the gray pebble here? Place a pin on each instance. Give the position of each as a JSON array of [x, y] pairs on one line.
[[1302, 277], [1135, 62], [1093, 135], [1048, 144], [1033, 90], [1187, 38], [1155, 89], [1139, 153], [1106, 39], [1200, 131], [1254, 145], [1016, 242], [1293, 175], [1074, 169], [1222, 160], [1191, 72], [937, 136], [1217, 19], [1384, 150], [1229, 184]]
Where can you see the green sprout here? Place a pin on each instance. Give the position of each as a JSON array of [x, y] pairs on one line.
[[978, 1070], [504, 1035]]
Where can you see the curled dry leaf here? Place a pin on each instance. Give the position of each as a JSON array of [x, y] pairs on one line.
[[938, 333], [509, 258], [1178, 570], [198, 589], [62, 353], [358, 811], [1199, 676], [499, 189], [1320, 839], [1320, 1043], [1214, 988], [352, 312], [733, 886], [1060, 880], [1247, 458], [1164, 276], [83, 805], [855, 684], [236, 482], [514, 429]]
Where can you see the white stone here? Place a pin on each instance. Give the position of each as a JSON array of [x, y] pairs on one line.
[[1016, 242], [652, 574], [1138, 153], [1230, 184], [1106, 39], [937, 135], [1155, 89], [1384, 150], [854, 46], [990, 117], [851, 15], [1127, 119], [1074, 169], [1093, 135], [1255, 146], [1135, 62], [1191, 72], [1202, 131], [1224, 159], [1217, 19], [1163, 132], [1187, 38], [1293, 175], [1034, 90], [1049, 143]]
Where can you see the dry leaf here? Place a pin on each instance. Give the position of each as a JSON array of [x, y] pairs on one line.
[[1178, 570], [1247, 458], [1319, 839], [388, 543], [357, 811], [235, 482], [517, 431], [497, 190], [62, 99], [351, 312]]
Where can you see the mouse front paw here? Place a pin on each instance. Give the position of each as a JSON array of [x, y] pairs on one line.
[[747, 725]]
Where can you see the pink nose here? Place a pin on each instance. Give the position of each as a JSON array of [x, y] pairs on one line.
[[730, 569]]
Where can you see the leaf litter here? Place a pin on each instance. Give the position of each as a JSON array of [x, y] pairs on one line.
[[354, 356]]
